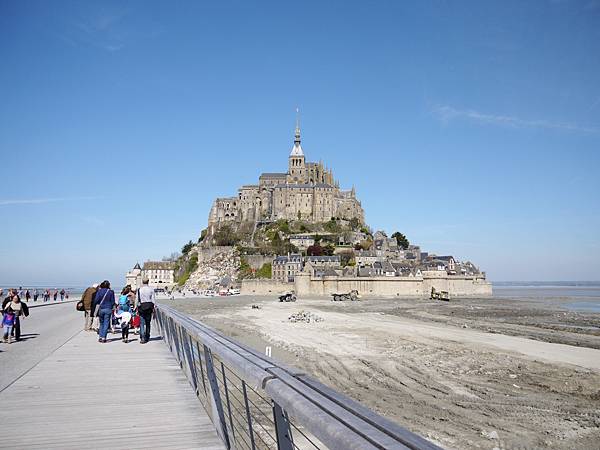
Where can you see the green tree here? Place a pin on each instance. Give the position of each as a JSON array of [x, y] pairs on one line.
[[186, 248], [328, 250], [401, 240], [189, 267], [203, 235], [354, 224]]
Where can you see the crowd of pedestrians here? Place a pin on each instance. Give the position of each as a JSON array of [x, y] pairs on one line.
[[104, 311], [35, 293]]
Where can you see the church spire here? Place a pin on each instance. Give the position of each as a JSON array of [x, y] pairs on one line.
[[297, 149], [297, 133]]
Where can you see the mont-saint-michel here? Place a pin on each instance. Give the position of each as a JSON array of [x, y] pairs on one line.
[[300, 231]]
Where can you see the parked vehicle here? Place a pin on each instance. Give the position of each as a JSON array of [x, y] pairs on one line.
[[352, 296], [289, 297]]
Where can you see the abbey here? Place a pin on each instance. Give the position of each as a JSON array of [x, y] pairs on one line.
[[307, 191]]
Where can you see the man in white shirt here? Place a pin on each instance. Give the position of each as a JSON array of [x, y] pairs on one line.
[[145, 308]]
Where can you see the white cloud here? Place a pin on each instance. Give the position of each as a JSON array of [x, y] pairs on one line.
[[33, 201], [448, 113]]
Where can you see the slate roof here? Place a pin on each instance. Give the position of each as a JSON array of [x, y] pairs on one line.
[[324, 258], [273, 175], [159, 265]]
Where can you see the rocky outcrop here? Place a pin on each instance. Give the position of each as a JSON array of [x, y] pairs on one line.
[[218, 268]]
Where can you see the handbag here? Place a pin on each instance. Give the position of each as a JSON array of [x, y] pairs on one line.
[[146, 307], [79, 306]]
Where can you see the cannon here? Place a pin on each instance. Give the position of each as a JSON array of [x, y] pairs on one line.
[[352, 296]]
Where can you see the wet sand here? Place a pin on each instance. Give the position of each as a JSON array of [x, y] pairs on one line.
[[471, 373]]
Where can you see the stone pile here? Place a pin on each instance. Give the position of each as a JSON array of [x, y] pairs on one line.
[[305, 316], [212, 271]]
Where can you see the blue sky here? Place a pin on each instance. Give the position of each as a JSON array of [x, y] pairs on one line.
[[472, 127]]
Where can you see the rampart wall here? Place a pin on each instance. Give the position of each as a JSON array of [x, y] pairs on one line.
[[265, 287], [305, 285]]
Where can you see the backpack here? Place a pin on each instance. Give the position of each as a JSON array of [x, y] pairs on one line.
[[124, 303]]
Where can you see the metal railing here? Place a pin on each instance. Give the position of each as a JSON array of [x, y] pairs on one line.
[[258, 403]]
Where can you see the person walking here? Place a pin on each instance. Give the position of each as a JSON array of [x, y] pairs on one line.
[[88, 299], [145, 308], [62, 295], [124, 312], [8, 322], [19, 308], [55, 293], [27, 295], [105, 299], [36, 294]]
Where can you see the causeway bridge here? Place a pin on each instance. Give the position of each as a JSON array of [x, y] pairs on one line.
[[189, 387]]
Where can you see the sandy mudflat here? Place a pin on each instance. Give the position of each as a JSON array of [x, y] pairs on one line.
[[472, 373]]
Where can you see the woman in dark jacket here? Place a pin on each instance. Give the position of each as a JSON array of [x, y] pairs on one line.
[[105, 301]]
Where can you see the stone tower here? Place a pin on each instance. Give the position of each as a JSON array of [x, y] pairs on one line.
[[297, 162]]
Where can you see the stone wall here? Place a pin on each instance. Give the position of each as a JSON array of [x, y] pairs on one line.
[[457, 286], [265, 287]]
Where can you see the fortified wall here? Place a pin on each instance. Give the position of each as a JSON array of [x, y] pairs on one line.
[[306, 285]]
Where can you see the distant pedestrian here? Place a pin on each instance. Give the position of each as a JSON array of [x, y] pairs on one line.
[[27, 295], [105, 300], [62, 295], [20, 309], [35, 295], [55, 294], [88, 299], [145, 308], [46, 295]]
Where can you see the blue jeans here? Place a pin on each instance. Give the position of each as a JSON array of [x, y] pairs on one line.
[[7, 331], [105, 316]]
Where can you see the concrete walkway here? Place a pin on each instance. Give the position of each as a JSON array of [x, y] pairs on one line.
[[87, 395]]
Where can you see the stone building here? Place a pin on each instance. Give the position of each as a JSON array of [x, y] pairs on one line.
[[159, 274], [307, 191], [133, 278], [285, 268]]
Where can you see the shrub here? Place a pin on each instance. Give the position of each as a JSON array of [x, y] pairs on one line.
[[225, 236]]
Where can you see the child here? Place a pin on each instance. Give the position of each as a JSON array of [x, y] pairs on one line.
[[8, 322]]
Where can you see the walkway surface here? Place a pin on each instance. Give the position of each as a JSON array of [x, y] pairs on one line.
[[90, 395]]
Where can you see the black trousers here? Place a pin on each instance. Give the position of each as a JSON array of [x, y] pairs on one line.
[[124, 331], [147, 318], [16, 331]]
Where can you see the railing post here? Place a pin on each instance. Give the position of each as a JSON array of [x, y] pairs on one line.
[[201, 368], [191, 362], [217, 404], [282, 428], [248, 415], [227, 398]]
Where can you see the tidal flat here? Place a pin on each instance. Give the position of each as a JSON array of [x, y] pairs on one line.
[[512, 371]]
